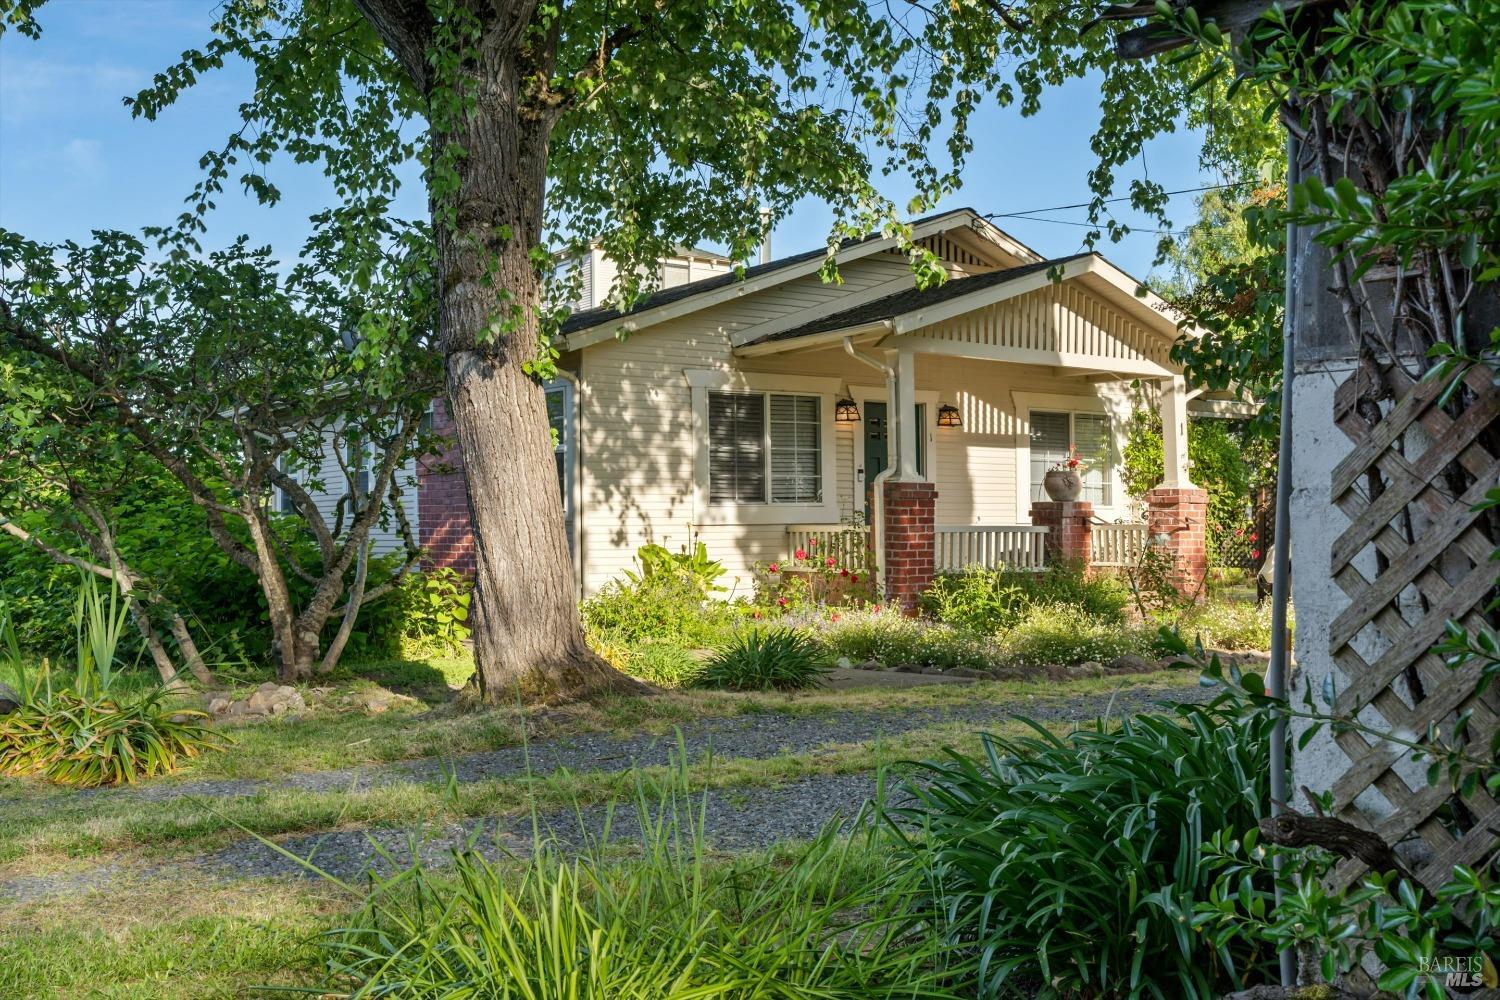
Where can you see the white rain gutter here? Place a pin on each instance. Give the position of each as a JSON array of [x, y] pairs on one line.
[[892, 452]]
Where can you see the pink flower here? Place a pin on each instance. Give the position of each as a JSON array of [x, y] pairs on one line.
[[781, 601], [1255, 553], [834, 617], [800, 554], [812, 543], [773, 568], [829, 561], [877, 609]]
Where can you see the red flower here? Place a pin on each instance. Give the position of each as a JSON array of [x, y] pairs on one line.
[[843, 572], [854, 578], [834, 617], [1254, 537], [781, 601], [1255, 553], [800, 554], [829, 561], [877, 609], [773, 568]]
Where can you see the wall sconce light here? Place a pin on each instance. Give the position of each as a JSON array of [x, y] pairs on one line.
[[846, 411], [948, 416]]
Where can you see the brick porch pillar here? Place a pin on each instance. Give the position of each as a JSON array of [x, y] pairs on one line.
[[443, 525], [1070, 524], [1177, 520], [909, 540]]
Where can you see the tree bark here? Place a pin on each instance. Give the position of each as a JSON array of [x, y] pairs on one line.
[[528, 639]]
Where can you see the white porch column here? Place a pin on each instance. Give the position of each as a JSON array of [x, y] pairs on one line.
[[1174, 440], [903, 417]]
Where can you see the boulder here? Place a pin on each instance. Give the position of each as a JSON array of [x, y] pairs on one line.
[[219, 706], [970, 673], [10, 700], [1130, 663], [870, 665]]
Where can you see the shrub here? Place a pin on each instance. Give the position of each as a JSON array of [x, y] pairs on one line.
[[659, 608], [781, 659], [1230, 624], [1073, 864], [1062, 633], [426, 615], [890, 638], [986, 600], [825, 920], [663, 664]]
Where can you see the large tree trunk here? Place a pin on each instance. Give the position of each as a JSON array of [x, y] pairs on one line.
[[528, 639]]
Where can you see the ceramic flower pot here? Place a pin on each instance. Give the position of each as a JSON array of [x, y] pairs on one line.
[[1062, 484]]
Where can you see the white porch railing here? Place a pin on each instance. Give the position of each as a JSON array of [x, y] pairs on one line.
[[848, 544], [1012, 546], [1117, 544]]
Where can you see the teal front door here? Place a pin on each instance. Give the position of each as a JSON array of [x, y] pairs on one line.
[[876, 454]]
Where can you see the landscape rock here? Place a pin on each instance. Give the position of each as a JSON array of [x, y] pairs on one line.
[[933, 671], [970, 672], [9, 699], [844, 663], [267, 700], [871, 665], [1131, 663], [908, 668]]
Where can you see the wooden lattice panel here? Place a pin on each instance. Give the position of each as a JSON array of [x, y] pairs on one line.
[[1397, 487]]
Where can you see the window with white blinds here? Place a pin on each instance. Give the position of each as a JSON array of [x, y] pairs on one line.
[[764, 448], [796, 466], [736, 448], [1051, 434]]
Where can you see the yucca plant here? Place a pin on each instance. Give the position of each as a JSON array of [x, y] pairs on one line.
[[79, 733], [781, 659], [1070, 866]]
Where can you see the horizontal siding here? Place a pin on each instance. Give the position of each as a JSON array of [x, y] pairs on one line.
[[386, 535]]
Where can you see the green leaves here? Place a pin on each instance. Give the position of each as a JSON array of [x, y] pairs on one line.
[[1079, 862]]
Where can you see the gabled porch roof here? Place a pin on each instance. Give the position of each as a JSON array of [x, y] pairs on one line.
[[1079, 312]]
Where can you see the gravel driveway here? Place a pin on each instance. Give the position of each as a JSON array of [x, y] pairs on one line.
[[736, 818]]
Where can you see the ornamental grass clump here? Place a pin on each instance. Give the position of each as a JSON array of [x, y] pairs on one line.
[[84, 734], [1070, 866], [772, 659], [656, 915]]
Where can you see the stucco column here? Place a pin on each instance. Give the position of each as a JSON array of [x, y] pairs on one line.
[[1070, 530], [908, 558], [1174, 438]]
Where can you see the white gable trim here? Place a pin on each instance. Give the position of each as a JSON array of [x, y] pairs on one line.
[[610, 329]]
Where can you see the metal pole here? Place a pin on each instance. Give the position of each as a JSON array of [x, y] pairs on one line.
[[1281, 568]]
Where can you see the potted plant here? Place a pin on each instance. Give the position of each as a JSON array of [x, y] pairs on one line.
[[1064, 481]]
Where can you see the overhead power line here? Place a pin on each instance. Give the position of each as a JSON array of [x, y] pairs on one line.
[[1108, 201]]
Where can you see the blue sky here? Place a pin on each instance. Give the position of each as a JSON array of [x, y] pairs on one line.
[[72, 159]]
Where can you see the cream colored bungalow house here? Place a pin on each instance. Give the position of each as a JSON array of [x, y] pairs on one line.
[[756, 411]]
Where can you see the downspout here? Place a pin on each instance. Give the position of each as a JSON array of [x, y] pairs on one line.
[[892, 444], [1281, 568], [575, 479]]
